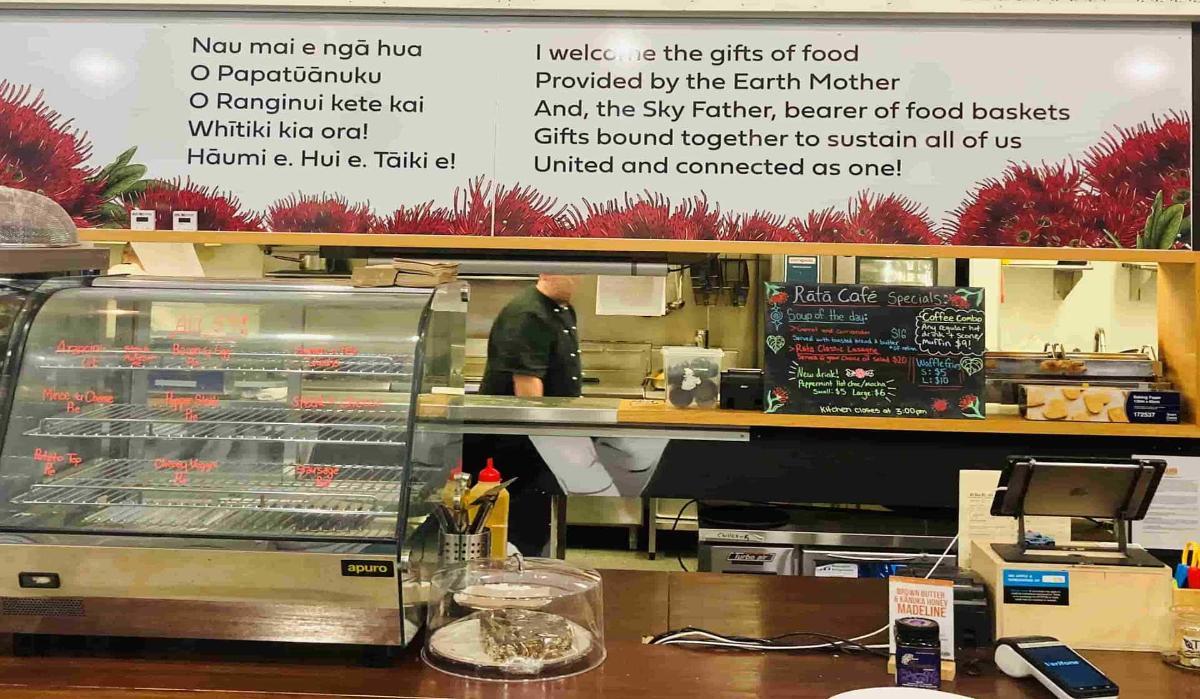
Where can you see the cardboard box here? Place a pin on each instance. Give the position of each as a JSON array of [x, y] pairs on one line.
[[388, 275], [1084, 403], [1093, 607]]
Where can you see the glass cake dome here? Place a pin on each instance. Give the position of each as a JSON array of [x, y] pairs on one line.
[[519, 619], [29, 219]]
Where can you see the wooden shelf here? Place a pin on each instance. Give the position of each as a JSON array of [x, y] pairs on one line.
[[632, 245], [647, 412]]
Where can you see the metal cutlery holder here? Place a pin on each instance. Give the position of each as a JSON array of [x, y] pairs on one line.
[[460, 548]]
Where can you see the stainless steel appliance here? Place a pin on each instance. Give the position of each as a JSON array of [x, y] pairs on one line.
[[872, 563], [750, 560], [822, 542], [228, 460], [1007, 371]]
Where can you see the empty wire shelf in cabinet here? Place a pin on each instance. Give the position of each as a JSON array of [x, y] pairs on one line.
[[207, 476], [184, 510], [246, 522], [272, 424], [217, 359]]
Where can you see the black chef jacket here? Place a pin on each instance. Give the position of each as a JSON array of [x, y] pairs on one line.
[[533, 336]]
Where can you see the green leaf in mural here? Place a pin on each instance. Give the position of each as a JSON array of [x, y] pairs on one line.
[[127, 171], [112, 212], [137, 188], [1147, 239], [1169, 224], [118, 186], [122, 160]]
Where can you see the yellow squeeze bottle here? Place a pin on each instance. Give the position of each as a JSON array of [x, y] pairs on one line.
[[497, 521]]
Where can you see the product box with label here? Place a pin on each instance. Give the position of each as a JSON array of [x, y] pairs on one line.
[[1084, 403], [1096, 607]]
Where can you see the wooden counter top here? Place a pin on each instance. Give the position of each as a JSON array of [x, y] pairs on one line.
[[653, 412], [636, 604]]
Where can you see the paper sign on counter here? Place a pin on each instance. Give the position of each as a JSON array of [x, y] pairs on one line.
[[976, 523], [1174, 515], [925, 598]]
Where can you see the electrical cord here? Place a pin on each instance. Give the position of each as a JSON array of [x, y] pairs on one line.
[[692, 636], [679, 555], [700, 637]]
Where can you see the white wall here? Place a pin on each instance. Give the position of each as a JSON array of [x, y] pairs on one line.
[[1024, 312]]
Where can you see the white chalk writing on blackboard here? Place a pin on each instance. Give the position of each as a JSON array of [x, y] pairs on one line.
[[874, 350]]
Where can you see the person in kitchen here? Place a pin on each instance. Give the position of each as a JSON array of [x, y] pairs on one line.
[[533, 346], [533, 352]]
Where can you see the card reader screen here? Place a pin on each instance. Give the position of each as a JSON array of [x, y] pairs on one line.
[[1065, 664]]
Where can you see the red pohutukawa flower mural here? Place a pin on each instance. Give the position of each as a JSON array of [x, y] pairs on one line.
[[1145, 159], [640, 217], [1113, 219], [1131, 189], [758, 226], [319, 214], [524, 211], [650, 216], [889, 219], [483, 206], [215, 210], [824, 226], [40, 151], [1028, 206], [422, 219]]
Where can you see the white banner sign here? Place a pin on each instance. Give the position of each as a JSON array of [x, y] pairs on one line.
[[859, 132]]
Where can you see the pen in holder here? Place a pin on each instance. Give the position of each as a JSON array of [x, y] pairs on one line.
[[458, 548]]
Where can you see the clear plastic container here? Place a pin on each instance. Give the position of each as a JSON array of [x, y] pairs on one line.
[[515, 620], [693, 376]]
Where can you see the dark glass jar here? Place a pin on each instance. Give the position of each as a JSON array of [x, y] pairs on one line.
[[918, 653]]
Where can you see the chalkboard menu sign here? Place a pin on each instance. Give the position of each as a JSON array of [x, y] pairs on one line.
[[882, 351]]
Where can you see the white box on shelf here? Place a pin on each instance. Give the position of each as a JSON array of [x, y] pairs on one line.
[[184, 220], [141, 220]]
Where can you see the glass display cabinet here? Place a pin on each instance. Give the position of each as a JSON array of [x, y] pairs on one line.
[[245, 460]]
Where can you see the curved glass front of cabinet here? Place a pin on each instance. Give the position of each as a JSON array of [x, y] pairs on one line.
[[222, 411]]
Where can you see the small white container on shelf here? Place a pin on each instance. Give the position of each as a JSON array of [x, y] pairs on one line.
[[519, 619], [693, 376]]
